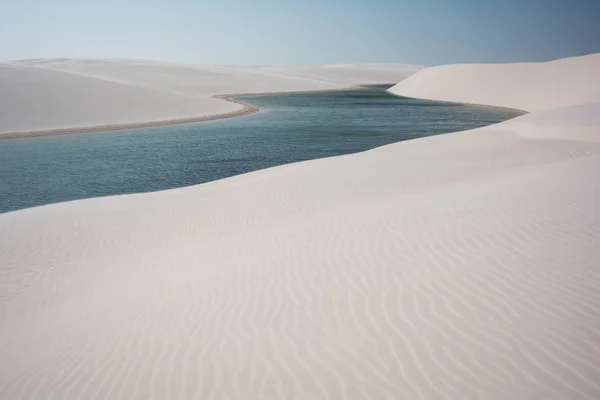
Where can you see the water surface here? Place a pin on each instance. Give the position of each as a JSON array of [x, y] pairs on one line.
[[289, 128]]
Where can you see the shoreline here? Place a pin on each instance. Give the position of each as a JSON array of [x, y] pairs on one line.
[[247, 109]]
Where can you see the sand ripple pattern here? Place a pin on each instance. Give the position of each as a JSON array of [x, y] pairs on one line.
[[441, 268]]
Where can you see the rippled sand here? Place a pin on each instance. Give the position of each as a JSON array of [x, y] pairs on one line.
[[458, 266]]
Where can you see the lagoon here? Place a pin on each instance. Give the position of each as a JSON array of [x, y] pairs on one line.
[[289, 128]]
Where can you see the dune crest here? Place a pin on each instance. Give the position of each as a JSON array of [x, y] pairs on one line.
[[463, 265]]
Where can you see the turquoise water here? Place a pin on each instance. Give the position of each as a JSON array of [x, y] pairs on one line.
[[289, 128]]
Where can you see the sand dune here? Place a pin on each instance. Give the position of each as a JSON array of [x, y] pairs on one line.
[[457, 266], [524, 86], [67, 94]]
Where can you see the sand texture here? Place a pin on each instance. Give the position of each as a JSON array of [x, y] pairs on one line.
[[39, 97], [458, 266]]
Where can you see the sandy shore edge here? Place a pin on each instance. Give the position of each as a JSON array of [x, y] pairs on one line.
[[246, 110]]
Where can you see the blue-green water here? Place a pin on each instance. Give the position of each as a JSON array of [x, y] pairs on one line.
[[289, 128]]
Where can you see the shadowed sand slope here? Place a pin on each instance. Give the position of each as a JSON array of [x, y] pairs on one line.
[[43, 95], [457, 266]]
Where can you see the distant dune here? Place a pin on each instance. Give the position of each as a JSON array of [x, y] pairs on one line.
[[458, 266], [68, 94]]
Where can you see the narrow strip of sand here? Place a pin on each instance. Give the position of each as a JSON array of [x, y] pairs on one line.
[[233, 98], [246, 110]]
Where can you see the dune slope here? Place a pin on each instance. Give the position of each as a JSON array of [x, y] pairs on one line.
[[456, 266], [525, 86]]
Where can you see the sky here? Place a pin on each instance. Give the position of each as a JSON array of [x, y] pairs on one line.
[[300, 32]]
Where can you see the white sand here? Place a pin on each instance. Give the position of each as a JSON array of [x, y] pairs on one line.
[[525, 86], [458, 266], [51, 95]]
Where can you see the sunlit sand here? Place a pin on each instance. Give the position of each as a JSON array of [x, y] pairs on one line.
[[464, 265]]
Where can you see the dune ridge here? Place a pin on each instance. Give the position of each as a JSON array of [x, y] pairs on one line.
[[457, 266]]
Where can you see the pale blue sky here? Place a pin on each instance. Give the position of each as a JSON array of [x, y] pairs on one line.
[[287, 32]]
